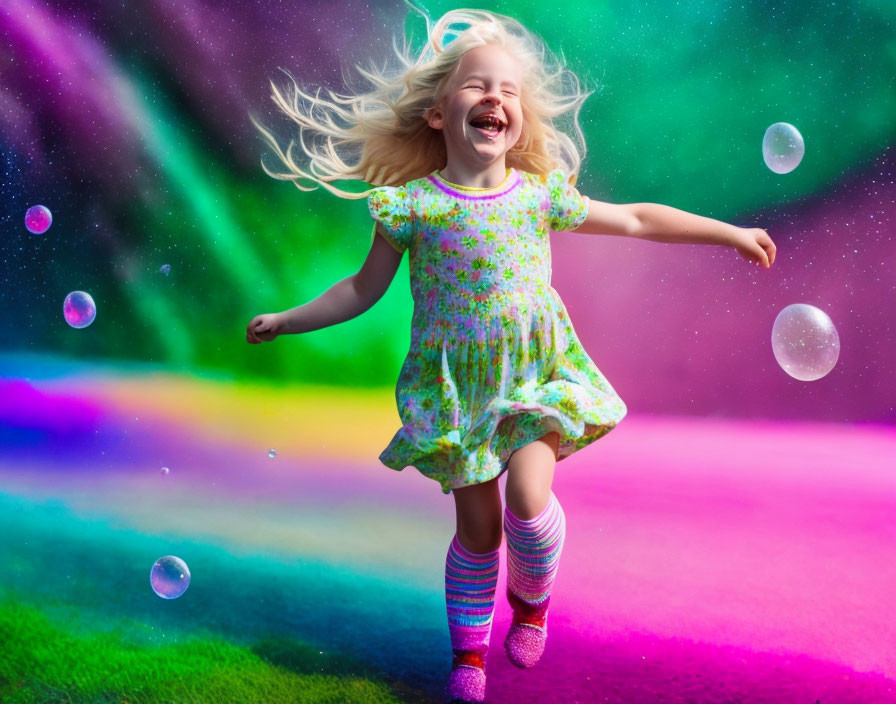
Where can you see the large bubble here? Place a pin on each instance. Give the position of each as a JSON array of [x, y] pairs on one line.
[[169, 577], [782, 148], [805, 342], [79, 309], [38, 219]]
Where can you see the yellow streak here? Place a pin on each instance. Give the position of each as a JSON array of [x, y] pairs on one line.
[[316, 420]]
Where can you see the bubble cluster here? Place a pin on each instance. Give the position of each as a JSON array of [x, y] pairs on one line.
[[805, 342], [782, 148], [79, 309], [38, 219], [169, 577]]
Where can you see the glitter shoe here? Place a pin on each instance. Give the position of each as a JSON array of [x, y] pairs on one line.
[[466, 683], [528, 631]]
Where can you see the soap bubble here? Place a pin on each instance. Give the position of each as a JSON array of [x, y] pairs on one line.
[[79, 309], [169, 577], [165, 269], [272, 454], [805, 342], [38, 219], [782, 148], [165, 471]]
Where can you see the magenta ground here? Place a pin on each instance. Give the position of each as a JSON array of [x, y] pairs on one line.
[[719, 562]]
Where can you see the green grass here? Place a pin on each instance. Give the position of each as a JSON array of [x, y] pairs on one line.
[[42, 663], [87, 577]]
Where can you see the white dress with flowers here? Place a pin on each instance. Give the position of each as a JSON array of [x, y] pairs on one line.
[[494, 362]]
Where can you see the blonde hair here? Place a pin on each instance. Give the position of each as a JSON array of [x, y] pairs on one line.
[[381, 137]]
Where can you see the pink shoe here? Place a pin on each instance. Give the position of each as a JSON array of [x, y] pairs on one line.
[[528, 631], [466, 683]]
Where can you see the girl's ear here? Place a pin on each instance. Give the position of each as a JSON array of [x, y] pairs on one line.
[[435, 118]]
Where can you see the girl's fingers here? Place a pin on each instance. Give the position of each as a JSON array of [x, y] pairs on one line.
[[261, 329], [757, 256], [768, 246]]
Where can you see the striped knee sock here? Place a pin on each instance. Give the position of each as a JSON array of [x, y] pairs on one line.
[[470, 582], [533, 554]]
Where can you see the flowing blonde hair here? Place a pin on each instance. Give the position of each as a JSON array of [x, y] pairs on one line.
[[381, 137]]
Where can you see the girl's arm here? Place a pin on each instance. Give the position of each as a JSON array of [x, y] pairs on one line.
[[343, 301], [660, 223]]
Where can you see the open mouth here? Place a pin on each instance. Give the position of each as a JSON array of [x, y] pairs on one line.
[[489, 125]]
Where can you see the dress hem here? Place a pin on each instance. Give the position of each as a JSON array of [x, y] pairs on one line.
[[492, 463]]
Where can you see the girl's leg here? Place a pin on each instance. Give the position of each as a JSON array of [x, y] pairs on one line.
[[471, 575], [535, 527], [530, 473]]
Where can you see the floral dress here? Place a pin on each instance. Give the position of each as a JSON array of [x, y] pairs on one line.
[[494, 362]]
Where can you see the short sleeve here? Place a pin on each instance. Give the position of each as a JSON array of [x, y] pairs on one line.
[[390, 206], [569, 208]]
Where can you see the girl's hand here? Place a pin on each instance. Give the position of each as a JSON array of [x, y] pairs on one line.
[[263, 328], [754, 245]]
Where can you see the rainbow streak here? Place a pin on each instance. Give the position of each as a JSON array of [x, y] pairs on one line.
[[700, 554]]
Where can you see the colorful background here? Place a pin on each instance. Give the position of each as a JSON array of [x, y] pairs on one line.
[[733, 540]]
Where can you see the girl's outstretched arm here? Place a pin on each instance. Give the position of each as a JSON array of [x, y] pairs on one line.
[[660, 223], [343, 301]]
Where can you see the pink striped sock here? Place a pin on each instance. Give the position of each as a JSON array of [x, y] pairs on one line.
[[470, 583], [533, 552]]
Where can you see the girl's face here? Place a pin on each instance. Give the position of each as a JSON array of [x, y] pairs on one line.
[[487, 82]]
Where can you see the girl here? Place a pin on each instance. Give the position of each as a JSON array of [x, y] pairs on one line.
[[473, 171]]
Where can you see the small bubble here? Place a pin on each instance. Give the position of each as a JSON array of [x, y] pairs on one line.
[[169, 577], [272, 454], [165, 269], [165, 471], [782, 148], [79, 309], [38, 219], [805, 342]]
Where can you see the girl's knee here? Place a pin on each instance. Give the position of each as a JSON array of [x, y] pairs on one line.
[[480, 542], [479, 517]]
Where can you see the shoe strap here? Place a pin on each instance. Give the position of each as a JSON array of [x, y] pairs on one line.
[[470, 659], [529, 614]]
